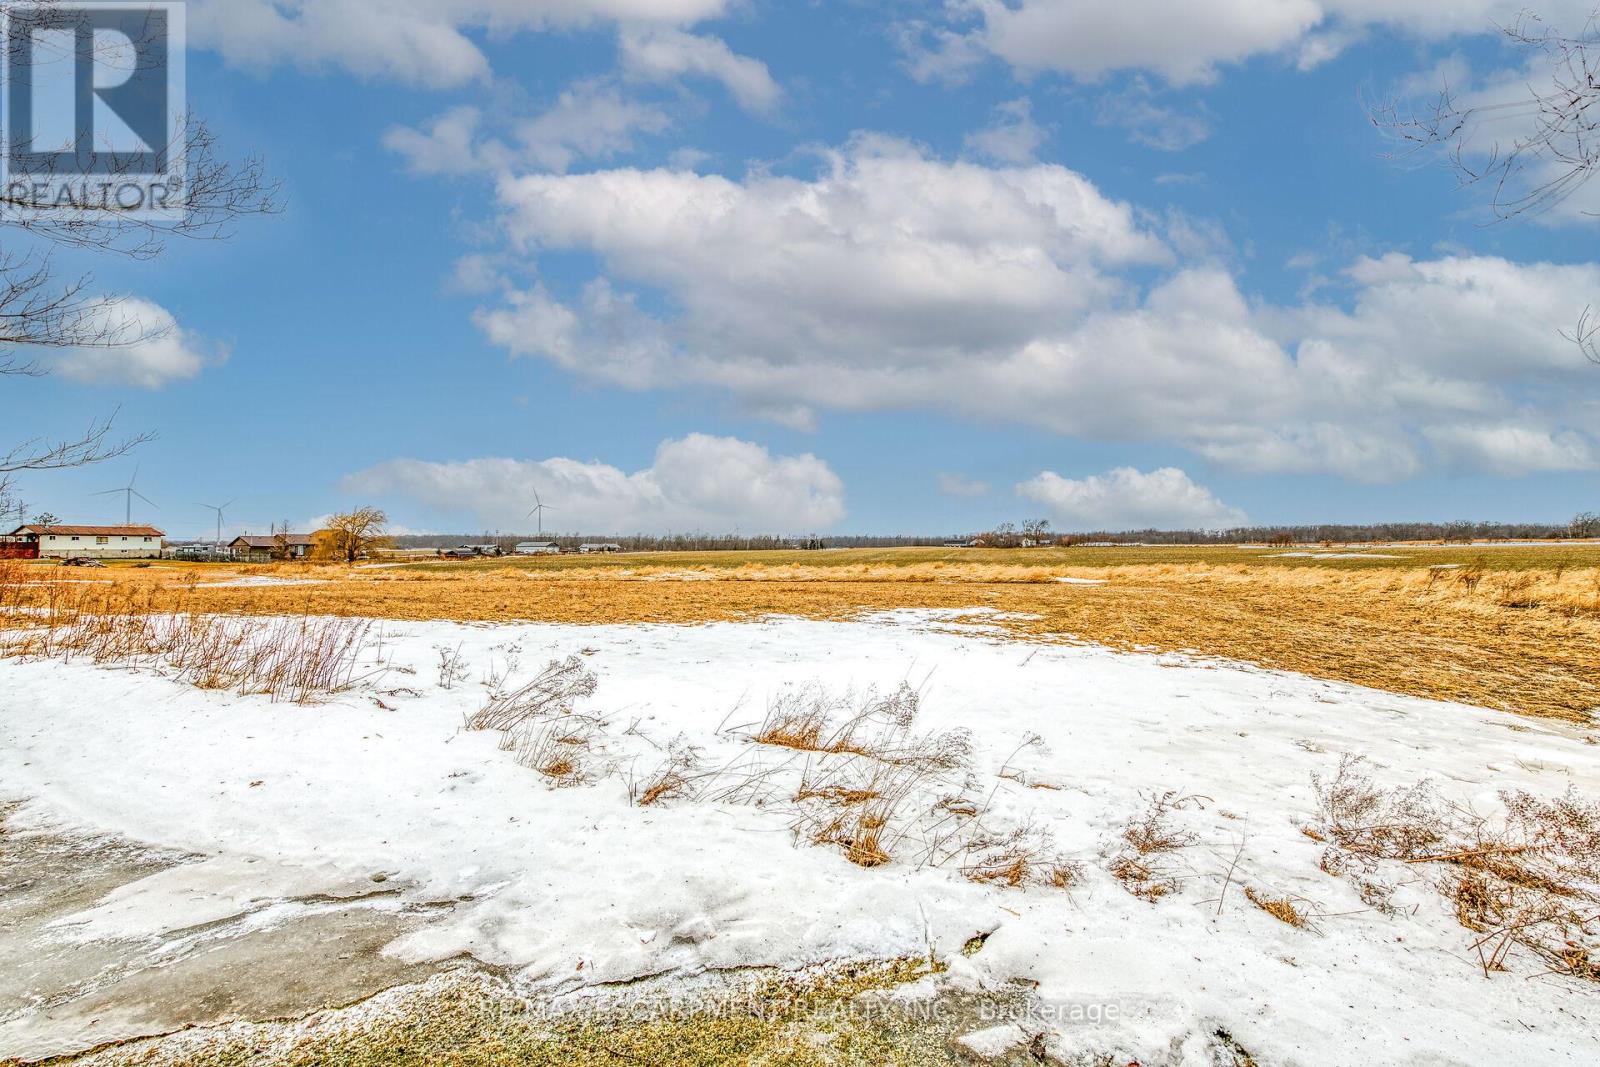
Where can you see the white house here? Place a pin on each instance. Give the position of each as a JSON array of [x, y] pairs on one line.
[[93, 542], [538, 548]]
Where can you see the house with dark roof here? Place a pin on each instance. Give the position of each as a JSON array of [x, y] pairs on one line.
[[269, 547], [86, 542]]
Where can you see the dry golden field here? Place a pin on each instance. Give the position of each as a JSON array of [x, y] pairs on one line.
[[1504, 626]]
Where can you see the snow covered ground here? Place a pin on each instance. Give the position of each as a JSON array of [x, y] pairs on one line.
[[573, 886]]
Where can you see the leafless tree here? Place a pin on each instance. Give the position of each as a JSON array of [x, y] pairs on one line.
[[1550, 145], [40, 308], [353, 534]]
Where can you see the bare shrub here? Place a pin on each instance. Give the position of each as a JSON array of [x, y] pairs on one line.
[[553, 692], [453, 667], [1140, 863], [1142, 878], [790, 726], [1376, 824], [1529, 879], [1025, 856], [1151, 833], [862, 804], [868, 783]]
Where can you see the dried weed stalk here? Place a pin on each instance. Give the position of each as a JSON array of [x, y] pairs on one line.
[[1526, 880], [553, 692]]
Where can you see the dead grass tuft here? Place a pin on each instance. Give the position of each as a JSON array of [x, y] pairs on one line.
[[1526, 881], [300, 659], [560, 750], [673, 780], [1281, 908], [553, 692], [1023, 857], [1139, 866]]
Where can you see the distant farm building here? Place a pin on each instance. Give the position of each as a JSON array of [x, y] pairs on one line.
[[589, 550], [84, 542], [265, 549], [199, 552], [538, 548]]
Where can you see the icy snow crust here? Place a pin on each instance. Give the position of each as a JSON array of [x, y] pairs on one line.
[[570, 887]]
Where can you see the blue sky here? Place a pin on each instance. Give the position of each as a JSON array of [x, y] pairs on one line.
[[866, 267]]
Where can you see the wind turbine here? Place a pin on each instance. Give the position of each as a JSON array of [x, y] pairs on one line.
[[129, 492], [219, 510], [539, 508]]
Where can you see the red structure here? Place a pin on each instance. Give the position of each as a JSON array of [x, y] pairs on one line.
[[16, 548]]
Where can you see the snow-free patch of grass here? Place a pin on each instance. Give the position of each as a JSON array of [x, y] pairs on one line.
[[822, 1017]]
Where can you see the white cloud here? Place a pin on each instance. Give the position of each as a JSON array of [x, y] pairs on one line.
[[591, 119], [449, 144], [163, 353], [1511, 450], [1013, 136], [476, 273], [1128, 499], [894, 281], [1186, 41], [663, 54], [886, 258], [698, 482], [423, 42], [1134, 109], [961, 485]]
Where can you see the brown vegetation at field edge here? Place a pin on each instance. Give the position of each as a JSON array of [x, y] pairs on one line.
[[1492, 631]]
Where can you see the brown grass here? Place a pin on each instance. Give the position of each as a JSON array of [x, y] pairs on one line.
[[1141, 864], [558, 750], [552, 692], [673, 780], [1281, 908], [1517, 629], [1526, 881], [296, 658]]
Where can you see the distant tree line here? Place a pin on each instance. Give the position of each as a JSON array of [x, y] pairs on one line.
[[1038, 532], [667, 543], [1585, 525]]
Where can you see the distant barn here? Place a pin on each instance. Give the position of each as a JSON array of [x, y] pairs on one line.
[[538, 548], [589, 550], [85, 542]]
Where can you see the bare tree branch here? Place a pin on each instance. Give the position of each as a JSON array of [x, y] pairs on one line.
[[1553, 145], [41, 310], [215, 193], [1553, 149], [94, 445]]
